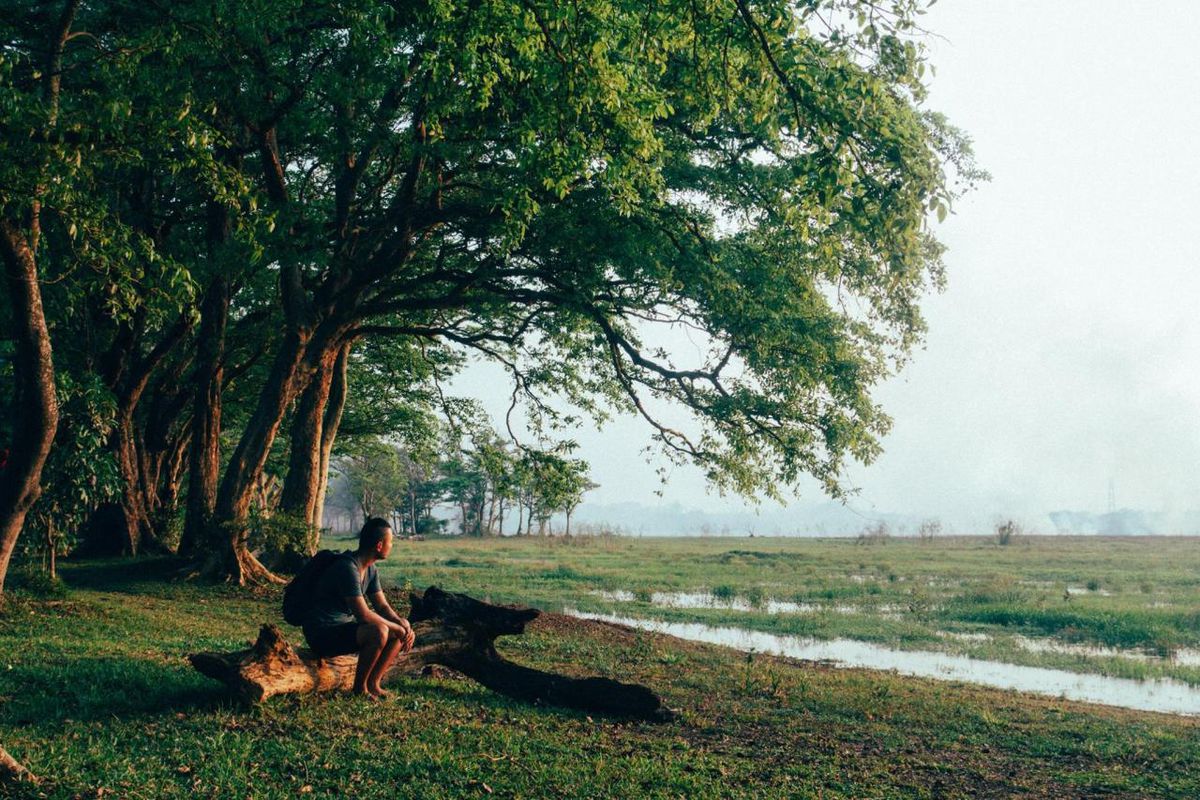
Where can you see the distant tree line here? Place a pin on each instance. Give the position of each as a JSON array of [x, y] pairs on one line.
[[487, 489]]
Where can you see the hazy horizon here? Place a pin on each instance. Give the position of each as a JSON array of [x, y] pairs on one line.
[[1058, 369]]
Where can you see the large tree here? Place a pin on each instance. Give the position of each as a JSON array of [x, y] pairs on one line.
[[561, 189], [98, 159], [548, 184], [30, 97]]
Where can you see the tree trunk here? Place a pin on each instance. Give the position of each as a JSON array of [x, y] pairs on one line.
[[136, 465], [481, 527], [302, 486], [12, 770], [35, 417], [133, 502], [299, 358], [171, 475], [163, 445], [205, 457], [232, 559], [453, 630], [329, 429], [51, 549]]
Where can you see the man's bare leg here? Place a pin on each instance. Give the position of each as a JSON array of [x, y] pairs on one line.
[[382, 664], [371, 641]]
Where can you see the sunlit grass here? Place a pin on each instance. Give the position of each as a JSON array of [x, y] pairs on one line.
[[98, 698], [1133, 593]]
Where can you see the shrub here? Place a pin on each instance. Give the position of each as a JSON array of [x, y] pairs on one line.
[[280, 533], [1000, 591], [877, 533], [37, 582], [79, 475], [724, 592], [919, 602], [1007, 531]]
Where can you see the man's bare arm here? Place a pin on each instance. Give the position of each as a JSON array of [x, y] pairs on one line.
[[398, 623], [358, 606], [384, 608]]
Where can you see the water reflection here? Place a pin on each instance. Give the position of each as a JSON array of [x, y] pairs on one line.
[[1074, 590], [1182, 657], [1186, 657], [1166, 695], [1087, 650], [708, 600]]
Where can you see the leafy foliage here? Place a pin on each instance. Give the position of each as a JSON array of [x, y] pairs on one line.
[[80, 473], [476, 482], [714, 216], [557, 187]]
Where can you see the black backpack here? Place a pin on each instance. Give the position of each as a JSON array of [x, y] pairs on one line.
[[298, 596]]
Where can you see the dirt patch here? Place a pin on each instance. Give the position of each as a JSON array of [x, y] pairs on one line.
[[605, 632]]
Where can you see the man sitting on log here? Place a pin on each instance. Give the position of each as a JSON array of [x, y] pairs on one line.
[[339, 622]]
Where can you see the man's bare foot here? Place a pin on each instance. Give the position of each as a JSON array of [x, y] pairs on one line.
[[381, 693], [365, 694]]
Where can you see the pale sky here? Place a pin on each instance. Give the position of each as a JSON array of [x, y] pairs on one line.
[[1064, 353]]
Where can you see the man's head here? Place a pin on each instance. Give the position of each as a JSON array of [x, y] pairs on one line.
[[375, 537]]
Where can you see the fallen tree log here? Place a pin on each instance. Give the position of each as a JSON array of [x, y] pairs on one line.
[[452, 630], [12, 770]]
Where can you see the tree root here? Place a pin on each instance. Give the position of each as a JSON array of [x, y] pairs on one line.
[[12, 771]]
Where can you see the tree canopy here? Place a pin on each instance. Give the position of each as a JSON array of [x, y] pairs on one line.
[[254, 210]]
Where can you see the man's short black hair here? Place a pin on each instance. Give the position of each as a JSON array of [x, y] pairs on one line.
[[373, 532]]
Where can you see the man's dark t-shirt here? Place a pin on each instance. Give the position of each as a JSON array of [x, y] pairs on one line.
[[340, 580]]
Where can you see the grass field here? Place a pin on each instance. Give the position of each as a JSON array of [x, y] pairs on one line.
[[1113, 606], [97, 697]]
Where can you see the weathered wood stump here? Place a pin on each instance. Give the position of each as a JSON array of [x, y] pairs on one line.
[[452, 630], [12, 770]]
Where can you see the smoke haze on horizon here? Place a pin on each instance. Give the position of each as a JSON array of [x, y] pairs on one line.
[[1060, 368]]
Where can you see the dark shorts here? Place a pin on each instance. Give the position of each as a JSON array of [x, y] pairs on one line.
[[333, 640]]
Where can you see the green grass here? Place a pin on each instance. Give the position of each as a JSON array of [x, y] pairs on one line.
[[97, 697], [1128, 593], [724, 592]]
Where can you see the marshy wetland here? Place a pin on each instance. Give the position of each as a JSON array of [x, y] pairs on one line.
[[96, 694], [1125, 608]]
